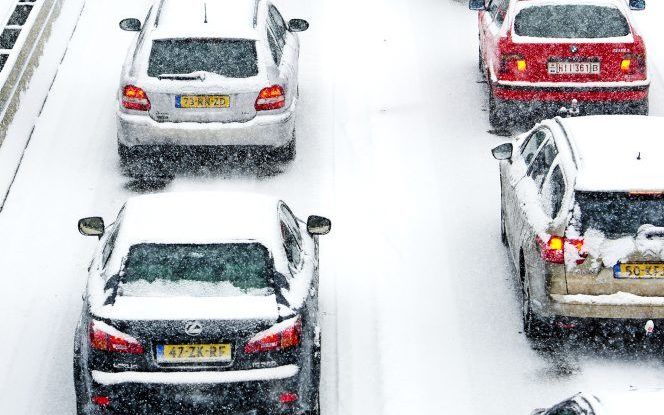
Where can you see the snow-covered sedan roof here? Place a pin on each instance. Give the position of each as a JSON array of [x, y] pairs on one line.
[[617, 152], [198, 218], [204, 18]]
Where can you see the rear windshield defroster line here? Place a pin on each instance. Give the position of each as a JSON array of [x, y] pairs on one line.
[[570, 21], [232, 58]]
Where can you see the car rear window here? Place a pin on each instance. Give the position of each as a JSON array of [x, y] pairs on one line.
[[619, 214], [571, 21], [234, 269], [232, 58]]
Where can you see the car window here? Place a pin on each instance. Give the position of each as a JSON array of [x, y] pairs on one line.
[[275, 49], [542, 162], [291, 245], [108, 247], [501, 11], [278, 26], [532, 143], [552, 192], [231, 58], [571, 21], [565, 408]]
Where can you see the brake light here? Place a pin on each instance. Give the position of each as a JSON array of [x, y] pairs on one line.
[[101, 400], [281, 336], [134, 98], [632, 64], [553, 250], [288, 397], [109, 339], [513, 63], [270, 98]]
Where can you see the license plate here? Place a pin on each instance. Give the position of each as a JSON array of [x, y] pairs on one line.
[[202, 101], [571, 68], [639, 270], [194, 353]]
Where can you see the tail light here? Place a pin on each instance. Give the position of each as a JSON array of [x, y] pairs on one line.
[[513, 64], [270, 98], [288, 397], [281, 336], [553, 250], [101, 400], [134, 98], [109, 339], [632, 64]]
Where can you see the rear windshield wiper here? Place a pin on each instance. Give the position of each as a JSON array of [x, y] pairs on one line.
[[200, 75]]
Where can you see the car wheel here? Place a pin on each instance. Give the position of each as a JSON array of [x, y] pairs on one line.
[[287, 152], [533, 327], [498, 117], [503, 231], [125, 154]]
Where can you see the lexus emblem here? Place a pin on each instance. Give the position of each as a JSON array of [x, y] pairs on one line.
[[573, 48], [193, 328]]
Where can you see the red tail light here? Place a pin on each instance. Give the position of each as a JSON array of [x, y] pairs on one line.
[[513, 64], [101, 400], [278, 337], [134, 98], [107, 338], [288, 397], [632, 64], [270, 98], [553, 250]]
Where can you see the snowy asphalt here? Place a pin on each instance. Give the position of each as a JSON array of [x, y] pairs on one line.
[[418, 302]]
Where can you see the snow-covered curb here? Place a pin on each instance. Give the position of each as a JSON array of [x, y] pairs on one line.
[[27, 77]]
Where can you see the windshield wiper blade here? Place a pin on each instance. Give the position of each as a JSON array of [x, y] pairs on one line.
[[200, 75]]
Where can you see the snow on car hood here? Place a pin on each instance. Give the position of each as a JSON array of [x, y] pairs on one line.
[[184, 308]]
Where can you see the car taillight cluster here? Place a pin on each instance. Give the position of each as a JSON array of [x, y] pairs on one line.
[[270, 98], [632, 64], [134, 98], [513, 63], [553, 249], [107, 338], [281, 336]]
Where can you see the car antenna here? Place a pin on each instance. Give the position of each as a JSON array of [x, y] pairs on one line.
[[639, 156], [205, 12]]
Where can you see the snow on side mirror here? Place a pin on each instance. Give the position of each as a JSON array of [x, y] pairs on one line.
[[130, 25], [93, 226], [503, 151], [318, 225], [637, 4], [298, 25], [476, 5]]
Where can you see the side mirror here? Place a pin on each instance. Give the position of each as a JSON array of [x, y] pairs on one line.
[[130, 25], [93, 226], [298, 25], [477, 5], [318, 225], [503, 151], [637, 4]]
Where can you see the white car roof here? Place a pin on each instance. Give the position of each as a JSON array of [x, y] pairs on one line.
[[642, 402], [617, 152], [620, 4], [199, 218], [225, 19]]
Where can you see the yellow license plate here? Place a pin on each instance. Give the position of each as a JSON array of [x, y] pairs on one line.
[[641, 270], [202, 101], [195, 353]]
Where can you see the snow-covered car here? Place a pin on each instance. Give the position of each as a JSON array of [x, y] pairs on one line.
[[540, 55], [645, 402], [210, 74], [198, 301], [582, 216]]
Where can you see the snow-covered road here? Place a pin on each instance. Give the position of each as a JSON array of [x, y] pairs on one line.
[[418, 305]]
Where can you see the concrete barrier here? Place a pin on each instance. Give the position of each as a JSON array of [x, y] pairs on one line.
[[21, 60]]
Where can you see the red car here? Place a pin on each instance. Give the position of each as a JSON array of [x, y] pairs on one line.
[[541, 55]]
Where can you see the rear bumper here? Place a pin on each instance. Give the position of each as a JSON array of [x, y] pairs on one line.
[[567, 91], [236, 392], [273, 130], [614, 306]]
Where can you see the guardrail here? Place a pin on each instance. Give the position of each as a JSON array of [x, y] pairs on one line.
[[22, 42]]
